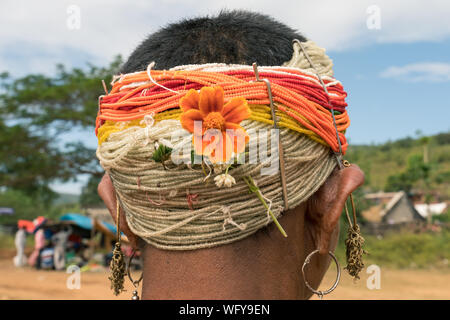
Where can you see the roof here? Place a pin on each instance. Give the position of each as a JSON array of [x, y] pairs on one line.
[[380, 195], [396, 198], [373, 213], [86, 222], [388, 201], [100, 213], [433, 208]]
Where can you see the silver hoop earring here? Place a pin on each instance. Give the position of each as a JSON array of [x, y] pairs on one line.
[[134, 282], [319, 293]]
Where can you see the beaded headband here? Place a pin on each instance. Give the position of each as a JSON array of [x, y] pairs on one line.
[[173, 201]]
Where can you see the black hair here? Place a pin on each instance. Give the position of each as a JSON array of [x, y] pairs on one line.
[[237, 36]]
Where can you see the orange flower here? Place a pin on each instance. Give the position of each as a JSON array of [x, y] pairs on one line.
[[216, 129]]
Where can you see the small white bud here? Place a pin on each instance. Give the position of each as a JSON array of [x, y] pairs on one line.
[[224, 180]]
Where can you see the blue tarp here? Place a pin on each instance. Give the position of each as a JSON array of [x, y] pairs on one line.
[[110, 227], [85, 222], [79, 220]]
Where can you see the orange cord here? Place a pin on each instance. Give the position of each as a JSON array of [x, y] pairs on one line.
[[130, 103]]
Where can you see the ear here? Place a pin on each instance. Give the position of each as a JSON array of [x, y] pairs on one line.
[[326, 205], [107, 193]]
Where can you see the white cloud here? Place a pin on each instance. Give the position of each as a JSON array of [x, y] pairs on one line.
[[419, 72], [72, 187], [112, 27], [342, 25]]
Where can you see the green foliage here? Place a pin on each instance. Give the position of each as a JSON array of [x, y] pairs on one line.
[[442, 138], [443, 157], [443, 177], [415, 171], [28, 208], [28, 162], [57, 211], [35, 110], [66, 198], [89, 195], [162, 154], [398, 165], [406, 250], [24, 206], [67, 99], [7, 241], [443, 217]]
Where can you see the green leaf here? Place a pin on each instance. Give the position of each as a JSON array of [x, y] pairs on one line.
[[162, 153]]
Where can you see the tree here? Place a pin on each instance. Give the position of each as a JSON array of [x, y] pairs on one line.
[[89, 195], [35, 110], [24, 207], [416, 170], [442, 138], [29, 163]]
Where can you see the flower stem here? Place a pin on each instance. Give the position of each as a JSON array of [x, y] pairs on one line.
[[203, 169], [253, 188]]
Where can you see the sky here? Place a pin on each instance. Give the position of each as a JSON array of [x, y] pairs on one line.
[[393, 57]]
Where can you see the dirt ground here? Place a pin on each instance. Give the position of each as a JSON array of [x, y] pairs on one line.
[[394, 284], [28, 283]]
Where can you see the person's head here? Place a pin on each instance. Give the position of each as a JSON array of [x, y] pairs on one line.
[[233, 37], [241, 37]]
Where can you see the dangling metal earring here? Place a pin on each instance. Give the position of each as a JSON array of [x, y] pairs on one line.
[[320, 294], [117, 266], [134, 282], [354, 242]]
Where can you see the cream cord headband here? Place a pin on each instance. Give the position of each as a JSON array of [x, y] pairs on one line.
[[180, 207]]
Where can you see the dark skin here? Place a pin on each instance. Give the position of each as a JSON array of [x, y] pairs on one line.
[[262, 266]]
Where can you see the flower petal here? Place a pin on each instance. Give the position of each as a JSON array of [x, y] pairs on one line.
[[189, 117], [238, 136], [211, 100], [190, 100], [222, 150], [200, 145], [209, 140], [236, 110], [233, 126]]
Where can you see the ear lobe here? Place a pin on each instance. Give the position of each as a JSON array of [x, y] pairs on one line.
[[107, 193], [326, 205]]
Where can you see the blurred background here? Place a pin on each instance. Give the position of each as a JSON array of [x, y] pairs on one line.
[[392, 58]]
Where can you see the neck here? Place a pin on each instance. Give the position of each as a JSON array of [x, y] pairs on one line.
[[262, 266]]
